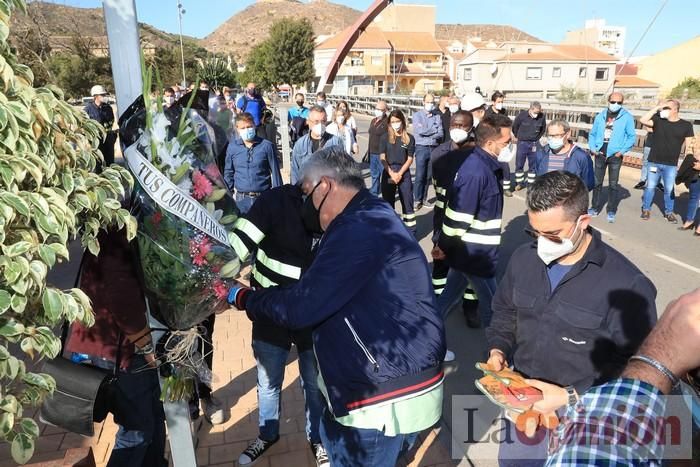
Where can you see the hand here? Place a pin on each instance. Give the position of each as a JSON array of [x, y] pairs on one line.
[[497, 360], [396, 177], [437, 253], [553, 397], [151, 360], [675, 340]]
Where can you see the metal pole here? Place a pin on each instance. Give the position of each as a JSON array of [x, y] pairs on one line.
[[180, 11]]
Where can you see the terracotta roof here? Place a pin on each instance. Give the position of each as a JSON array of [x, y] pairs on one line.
[[629, 69], [371, 38], [626, 81], [413, 42], [564, 53]]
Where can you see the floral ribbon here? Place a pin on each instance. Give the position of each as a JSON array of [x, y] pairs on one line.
[[171, 198]]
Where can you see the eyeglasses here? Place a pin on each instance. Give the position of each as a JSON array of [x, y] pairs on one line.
[[560, 135], [615, 102], [554, 238]]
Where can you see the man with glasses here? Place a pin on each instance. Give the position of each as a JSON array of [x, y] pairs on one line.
[[561, 154], [671, 133], [578, 314], [317, 138], [612, 135]]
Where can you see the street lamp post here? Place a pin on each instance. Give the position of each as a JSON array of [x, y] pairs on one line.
[[180, 12]]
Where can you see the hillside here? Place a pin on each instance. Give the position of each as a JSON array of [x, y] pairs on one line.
[[59, 23], [250, 26], [487, 32]]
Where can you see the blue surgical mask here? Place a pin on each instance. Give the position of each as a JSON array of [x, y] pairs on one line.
[[614, 108], [248, 134], [555, 144]]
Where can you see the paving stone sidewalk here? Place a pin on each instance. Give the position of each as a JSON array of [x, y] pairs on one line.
[[235, 385]]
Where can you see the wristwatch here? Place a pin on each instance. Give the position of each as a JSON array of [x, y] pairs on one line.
[[573, 397], [146, 349]]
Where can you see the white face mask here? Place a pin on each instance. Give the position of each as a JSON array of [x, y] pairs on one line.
[[499, 106], [550, 251], [534, 115], [454, 108], [665, 113], [396, 126], [169, 100], [428, 106], [459, 135], [378, 113], [319, 129], [506, 155], [340, 119]]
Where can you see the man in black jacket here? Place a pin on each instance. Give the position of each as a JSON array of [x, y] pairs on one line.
[[528, 127], [102, 112], [581, 310]]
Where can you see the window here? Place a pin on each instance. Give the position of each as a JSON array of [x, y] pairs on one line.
[[529, 50], [582, 72], [533, 73], [556, 72], [601, 74], [377, 60], [467, 74], [512, 50]]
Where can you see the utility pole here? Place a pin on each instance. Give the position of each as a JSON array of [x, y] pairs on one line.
[[180, 12]]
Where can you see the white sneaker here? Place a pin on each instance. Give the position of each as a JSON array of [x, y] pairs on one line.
[[449, 356], [213, 410], [321, 455]]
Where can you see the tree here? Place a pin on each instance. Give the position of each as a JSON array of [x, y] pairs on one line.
[[689, 88], [286, 57], [217, 71], [77, 69], [49, 194], [291, 51]]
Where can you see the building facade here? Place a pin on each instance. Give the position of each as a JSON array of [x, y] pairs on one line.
[[670, 67], [601, 36]]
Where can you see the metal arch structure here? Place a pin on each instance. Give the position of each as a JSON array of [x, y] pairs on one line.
[[349, 40]]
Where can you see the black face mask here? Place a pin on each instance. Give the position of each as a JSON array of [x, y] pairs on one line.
[[310, 215], [300, 103]]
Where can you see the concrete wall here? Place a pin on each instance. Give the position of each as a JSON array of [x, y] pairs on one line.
[[670, 67], [407, 18]]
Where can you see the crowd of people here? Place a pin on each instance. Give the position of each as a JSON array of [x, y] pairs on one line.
[[340, 276]]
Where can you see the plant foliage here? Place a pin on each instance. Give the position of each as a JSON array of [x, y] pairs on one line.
[[49, 194]]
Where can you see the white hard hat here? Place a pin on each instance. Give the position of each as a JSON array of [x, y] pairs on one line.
[[471, 101], [97, 90]]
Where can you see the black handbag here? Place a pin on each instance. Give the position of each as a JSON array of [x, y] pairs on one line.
[[83, 395]]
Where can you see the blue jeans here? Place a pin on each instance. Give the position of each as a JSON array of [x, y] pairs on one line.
[[375, 171], [271, 360], [657, 172], [140, 440], [349, 446], [693, 199], [457, 282], [423, 172], [244, 202], [645, 164]]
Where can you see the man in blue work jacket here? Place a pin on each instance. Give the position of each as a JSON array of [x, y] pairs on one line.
[[378, 339], [251, 163]]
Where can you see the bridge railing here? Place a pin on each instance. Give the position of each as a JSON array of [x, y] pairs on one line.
[[580, 117]]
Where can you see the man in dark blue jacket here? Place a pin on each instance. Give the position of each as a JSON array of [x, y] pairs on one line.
[[528, 127], [377, 336], [581, 310], [251, 163], [561, 154]]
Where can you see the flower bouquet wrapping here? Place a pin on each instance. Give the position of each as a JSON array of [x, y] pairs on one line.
[[184, 211]]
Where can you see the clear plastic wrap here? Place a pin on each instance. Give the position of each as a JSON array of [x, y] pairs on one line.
[[184, 211]]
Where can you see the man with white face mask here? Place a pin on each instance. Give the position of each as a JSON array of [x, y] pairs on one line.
[[471, 229], [581, 310], [317, 138], [427, 129]]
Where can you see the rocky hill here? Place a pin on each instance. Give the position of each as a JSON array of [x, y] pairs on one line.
[[487, 32], [250, 26]]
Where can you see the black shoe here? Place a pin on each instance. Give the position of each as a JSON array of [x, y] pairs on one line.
[[254, 450], [320, 455], [640, 185], [418, 206], [671, 218], [471, 315]]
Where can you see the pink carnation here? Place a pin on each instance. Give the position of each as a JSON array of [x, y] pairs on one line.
[[202, 187], [212, 172], [199, 247], [220, 289]]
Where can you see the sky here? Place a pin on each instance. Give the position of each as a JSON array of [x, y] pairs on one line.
[[547, 19]]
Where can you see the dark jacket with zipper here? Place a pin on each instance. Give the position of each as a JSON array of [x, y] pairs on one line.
[[368, 296], [686, 174], [583, 332], [526, 128]]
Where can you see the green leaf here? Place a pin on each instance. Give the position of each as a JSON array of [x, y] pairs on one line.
[[131, 227], [39, 202], [38, 271], [19, 303], [60, 250], [17, 249], [12, 272], [93, 246], [16, 202], [7, 421], [53, 305], [112, 204], [82, 298], [38, 380], [22, 448], [47, 255], [20, 286], [29, 426], [12, 367], [27, 346], [5, 301], [48, 223]]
